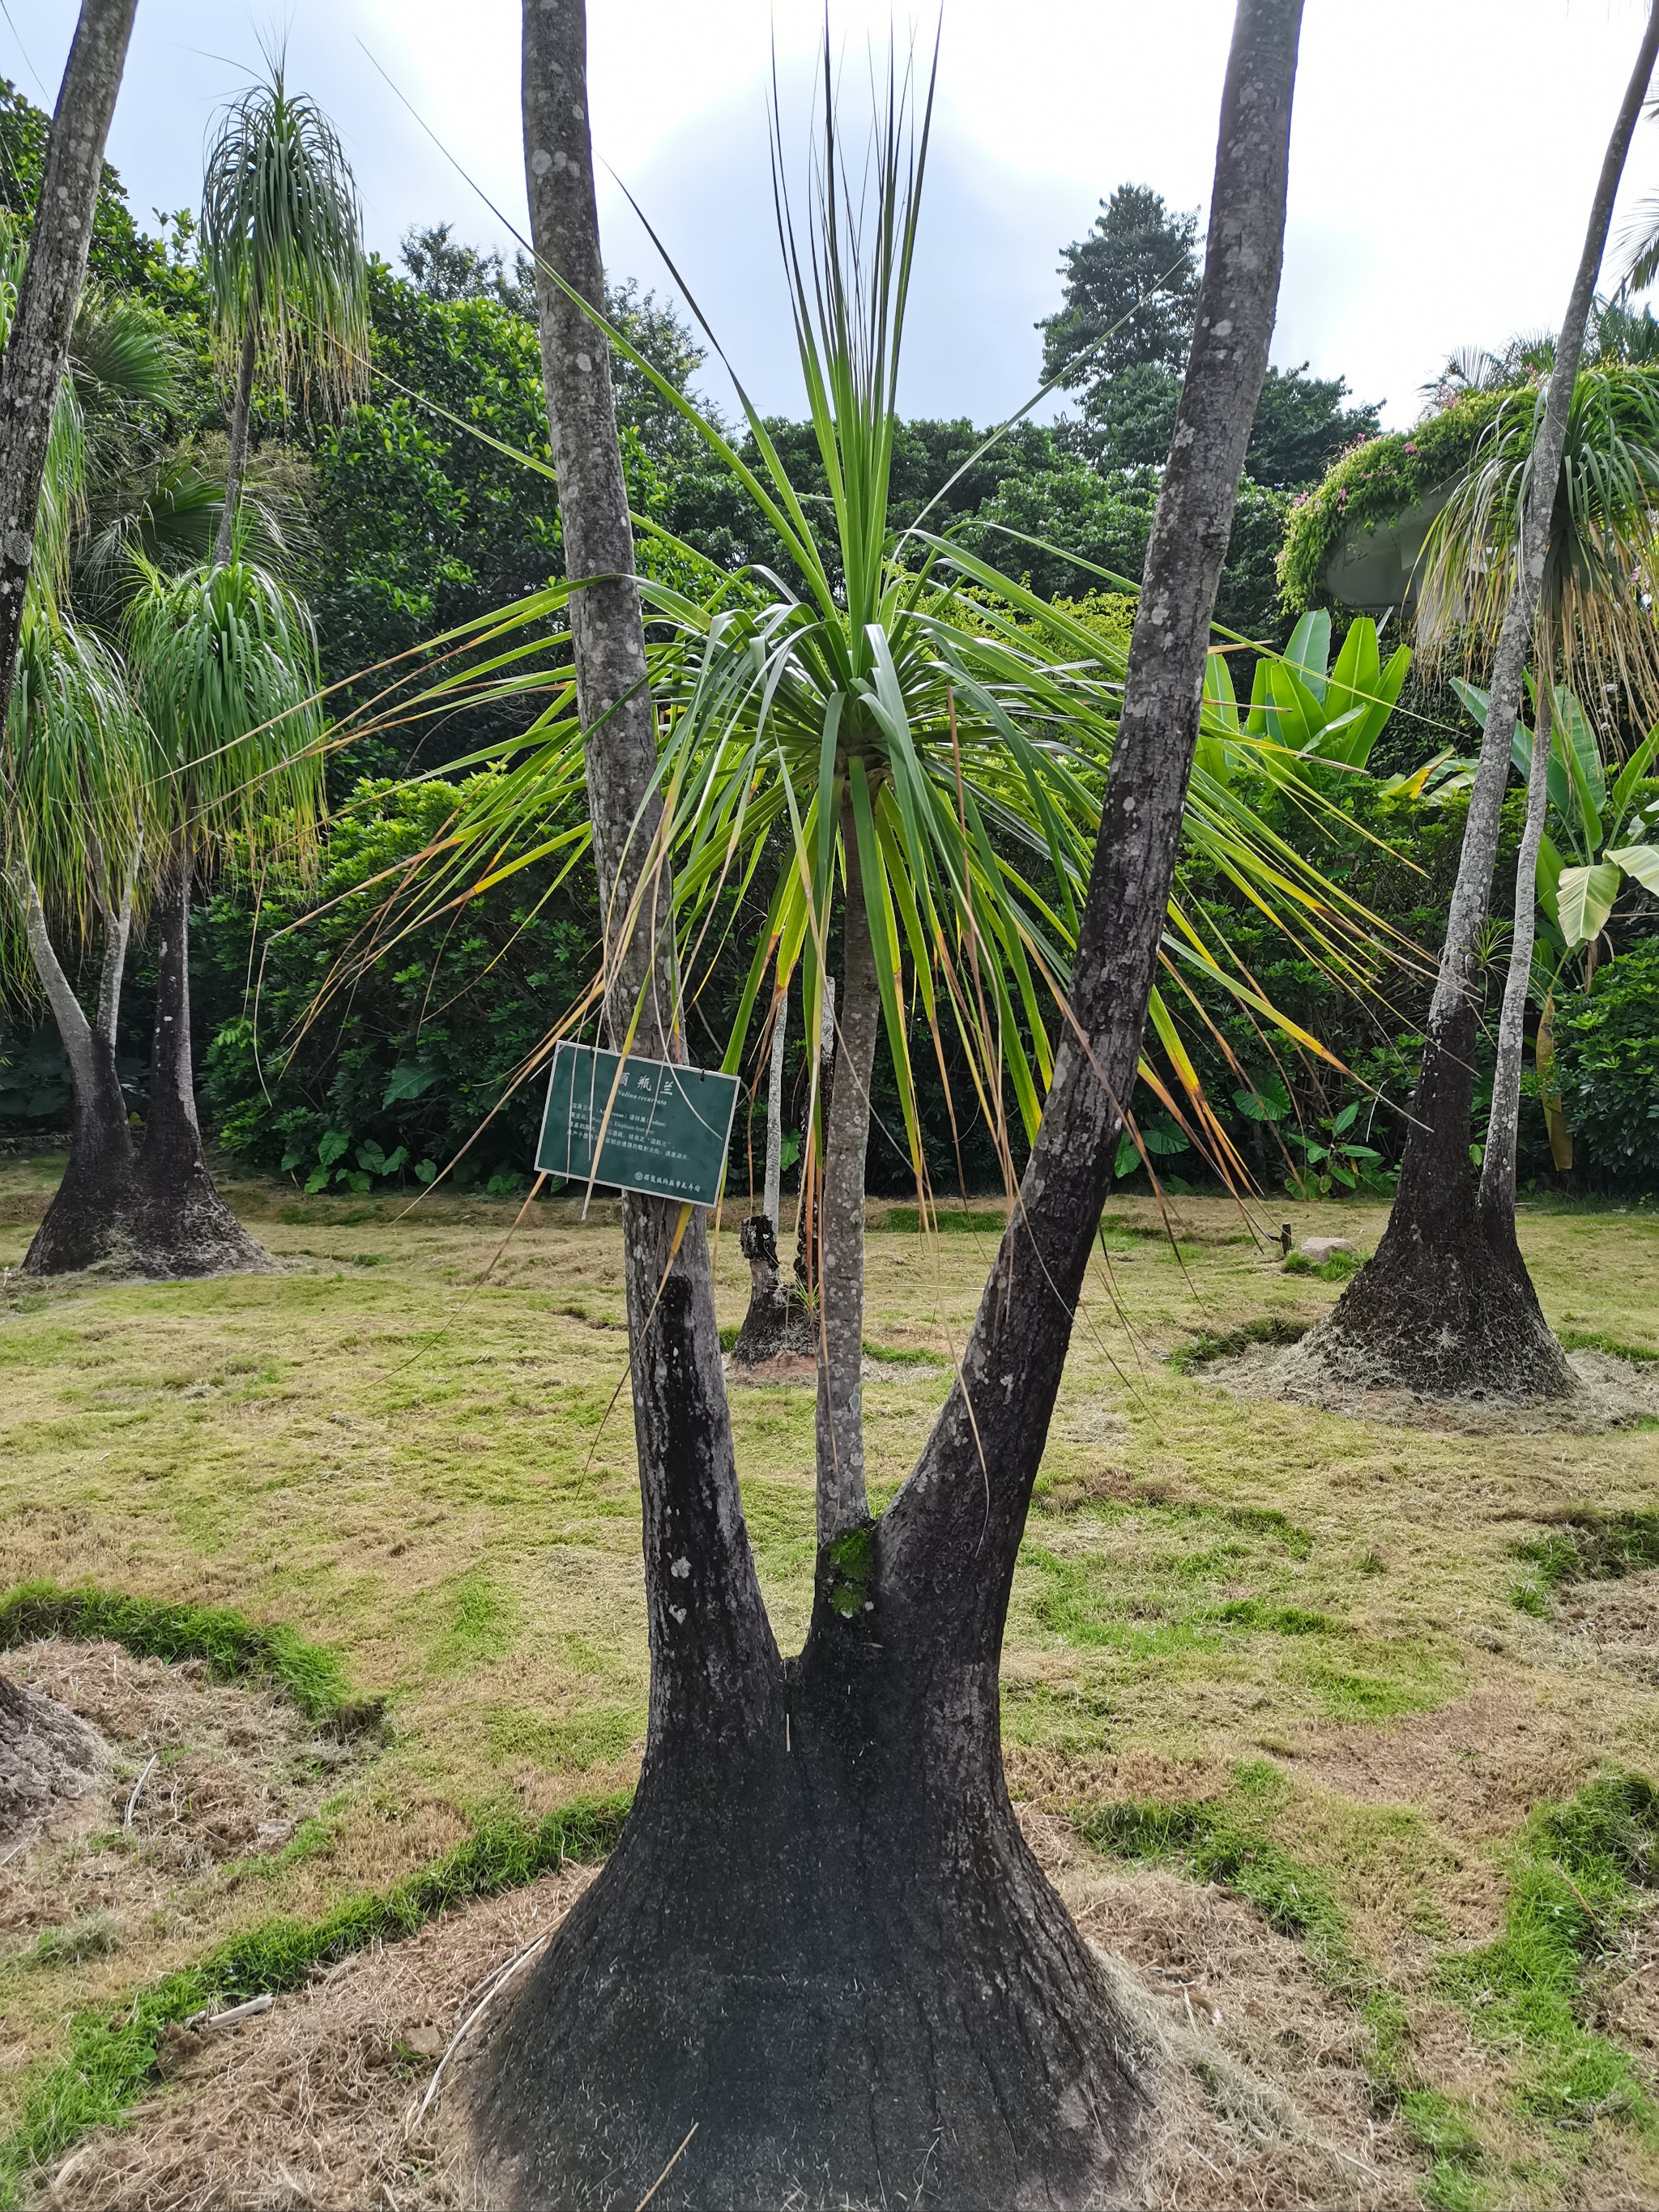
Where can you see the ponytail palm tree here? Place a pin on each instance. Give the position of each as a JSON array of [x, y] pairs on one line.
[[902, 750], [281, 250], [223, 662], [77, 777], [1443, 1307]]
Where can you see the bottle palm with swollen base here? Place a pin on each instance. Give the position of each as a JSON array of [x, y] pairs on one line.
[[821, 1936]]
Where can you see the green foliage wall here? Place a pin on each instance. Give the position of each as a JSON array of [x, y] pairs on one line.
[[1608, 1062], [415, 1055], [1376, 481]]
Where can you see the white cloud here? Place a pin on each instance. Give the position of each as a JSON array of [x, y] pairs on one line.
[[1426, 210]]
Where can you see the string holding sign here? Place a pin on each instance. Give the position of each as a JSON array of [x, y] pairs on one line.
[[643, 1125]]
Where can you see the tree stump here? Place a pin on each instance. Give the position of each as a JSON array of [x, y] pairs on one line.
[[779, 1318]]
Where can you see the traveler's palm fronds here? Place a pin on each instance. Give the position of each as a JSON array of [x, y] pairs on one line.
[[886, 699]]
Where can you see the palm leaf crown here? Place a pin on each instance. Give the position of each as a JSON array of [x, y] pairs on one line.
[[1599, 575], [282, 241], [884, 691], [223, 662]]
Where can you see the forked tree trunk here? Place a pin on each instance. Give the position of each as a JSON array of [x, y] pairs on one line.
[[1497, 1192], [821, 1937], [1443, 1306], [32, 373], [183, 1226], [89, 1222], [840, 1422]]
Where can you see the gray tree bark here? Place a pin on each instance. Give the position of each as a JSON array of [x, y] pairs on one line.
[[1497, 1192], [713, 1661], [841, 1504], [115, 907], [814, 1120], [1441, 1307], [772, 1194], [32, 373]]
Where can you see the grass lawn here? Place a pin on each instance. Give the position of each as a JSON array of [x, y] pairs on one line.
[[1254, 1642]]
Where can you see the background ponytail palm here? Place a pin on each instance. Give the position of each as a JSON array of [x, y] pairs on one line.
[[223, 664], [1595, 625], [282, 251]]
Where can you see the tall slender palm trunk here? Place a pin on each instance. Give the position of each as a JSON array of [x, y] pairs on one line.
[[1445, 1306], [822, 1937], [771, 1189], [37, 350], [841, 1506], [86, 1223], [241, 413], [1497, 1192], [89, 1222], [183, 1226]]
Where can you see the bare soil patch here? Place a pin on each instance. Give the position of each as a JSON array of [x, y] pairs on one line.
[[1611, 1393], [193, 1772], [1478, 1766], [1619, 1622], [315, 2105]]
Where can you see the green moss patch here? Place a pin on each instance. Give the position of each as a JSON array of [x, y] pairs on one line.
[[1571, 1877], [1226, 1344], [232, 1646], [1585, 1546], [1596, 1339]]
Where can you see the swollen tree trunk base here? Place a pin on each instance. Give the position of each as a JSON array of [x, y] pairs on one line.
[[837, 1955], [90, 1221], [182, 1227], [1449, 1314]]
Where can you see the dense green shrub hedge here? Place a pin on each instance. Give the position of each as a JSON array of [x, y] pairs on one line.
[[1607, 1055], [412, 1061]]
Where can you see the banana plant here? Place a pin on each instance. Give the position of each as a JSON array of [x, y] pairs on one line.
[[1601, 836], [1313, 724]]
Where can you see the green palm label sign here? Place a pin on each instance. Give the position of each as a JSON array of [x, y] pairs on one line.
[[644, 1125]]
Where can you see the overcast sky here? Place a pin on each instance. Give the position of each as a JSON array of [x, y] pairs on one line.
[[1425, 213]]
